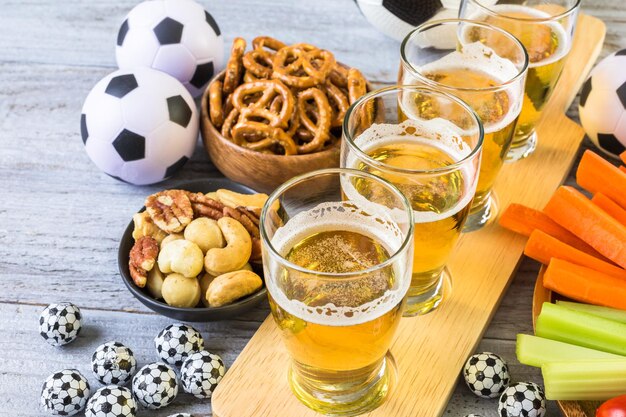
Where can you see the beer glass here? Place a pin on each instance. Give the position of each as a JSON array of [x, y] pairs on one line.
[[427, 143], [337, 261], [545, 28], [484, 66]]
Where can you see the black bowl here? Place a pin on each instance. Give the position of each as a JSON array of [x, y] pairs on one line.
[[197, 314]]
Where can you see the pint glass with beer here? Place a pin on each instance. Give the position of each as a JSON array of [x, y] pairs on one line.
[[545, 28], [337, 255], [427, 143], [484, 66]]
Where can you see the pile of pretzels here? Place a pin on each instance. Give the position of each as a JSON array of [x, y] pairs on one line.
[[283, 99]]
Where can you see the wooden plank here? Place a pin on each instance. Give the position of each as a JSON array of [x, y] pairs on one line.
[[431, 350]]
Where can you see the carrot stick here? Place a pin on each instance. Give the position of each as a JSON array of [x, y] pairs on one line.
[[610, 206], [622, 168], [622, 156], [584, 284], [543, 247], [597, 175], [523, 220], [575, 212]]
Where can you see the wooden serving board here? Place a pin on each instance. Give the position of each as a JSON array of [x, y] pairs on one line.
[[430, 350], [568, 408]]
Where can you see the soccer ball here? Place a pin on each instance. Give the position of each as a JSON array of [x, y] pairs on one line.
[[176, 342], [201, 373], [113, 363], [602, 104], [60, 324], [155, 385], [486, 374], [139, 126], [174, 36], [523, 399], [111, 401], [64, 393]]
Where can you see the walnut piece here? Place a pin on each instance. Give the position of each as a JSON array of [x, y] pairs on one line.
[[204, 206], [142, 257], [144, 226], [246, 218], [170, 210]]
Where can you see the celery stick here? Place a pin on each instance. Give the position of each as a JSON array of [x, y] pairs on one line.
[[584, 380], [535, 351], [606, 312], [559, 323]]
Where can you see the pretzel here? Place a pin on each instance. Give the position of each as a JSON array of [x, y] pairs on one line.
[[340, 101], [339, 76], [302, 65], [357, 85], [268, 90], [321, 127], [230, 121], [271, 136], [234, 67], [216, 111], [248, 77], [263, 42], [258, 62], [294, 121]]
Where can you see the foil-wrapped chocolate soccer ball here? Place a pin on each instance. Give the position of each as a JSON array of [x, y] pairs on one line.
[[64, 393], [486, 374], [201, 373], [113, 363], [523, 399], [155, 385], [60, 324], [111, 401], [176, 342]]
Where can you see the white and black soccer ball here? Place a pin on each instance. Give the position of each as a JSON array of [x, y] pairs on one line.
[[602, 105], [523, 399], [486, 374], [64, 393], [60, 324], [174, 36], [113, 363], [201, 372], [111, 401], [155, 385], [176, 342], [139, 126]]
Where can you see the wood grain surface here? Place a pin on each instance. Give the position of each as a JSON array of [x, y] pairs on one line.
[[60, 218]]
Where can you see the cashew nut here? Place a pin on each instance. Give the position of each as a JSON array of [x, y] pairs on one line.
[[180, 291], [229, 287], [181, 256], [170, 239], [234, 200], [155, 283], [236, 252], [205, 233]]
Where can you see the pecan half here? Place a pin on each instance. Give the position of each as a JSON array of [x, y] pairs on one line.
[[246, 218], [170, 210], [142, 258], [204, 206]]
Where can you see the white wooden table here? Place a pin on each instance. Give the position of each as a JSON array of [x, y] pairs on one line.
[[61, 218]]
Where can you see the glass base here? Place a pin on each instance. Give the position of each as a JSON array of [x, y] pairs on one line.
[[428, 301], [522, 148], [346, 398], [481, 216]]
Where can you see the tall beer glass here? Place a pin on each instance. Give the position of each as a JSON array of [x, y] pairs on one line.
[[337, 259], [545, 28], [427, 143], [484, 66]]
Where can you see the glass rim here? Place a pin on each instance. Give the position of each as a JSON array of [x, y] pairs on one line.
[[559, 16], [433, 23], [429, 90], [274, 196]]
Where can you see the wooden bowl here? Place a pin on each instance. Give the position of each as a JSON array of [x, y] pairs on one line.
[[260, 171]]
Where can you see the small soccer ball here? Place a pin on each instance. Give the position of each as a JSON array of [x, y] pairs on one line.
[[486, 374], [523, 399], [113, 363], [139, 126], [176, 342], [602, 105], [155, 385], [177, 37], [64, 393], [111, 401], [60, 324], [201, 372]]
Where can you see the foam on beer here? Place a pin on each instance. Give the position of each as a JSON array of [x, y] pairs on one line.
[[370, 220]]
